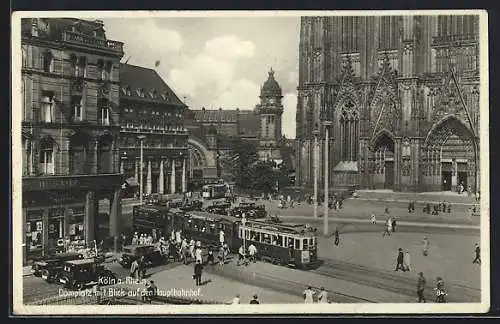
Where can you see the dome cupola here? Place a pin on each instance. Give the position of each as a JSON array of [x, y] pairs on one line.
[[270, 88]]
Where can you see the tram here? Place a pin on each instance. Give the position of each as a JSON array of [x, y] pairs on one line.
[[289, 244]]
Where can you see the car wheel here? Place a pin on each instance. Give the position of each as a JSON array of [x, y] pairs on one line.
[[46, 275], [78, 285]]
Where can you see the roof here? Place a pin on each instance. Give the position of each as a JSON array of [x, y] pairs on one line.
[[148, 81], [214, 116], [271, 87], [249, 123]]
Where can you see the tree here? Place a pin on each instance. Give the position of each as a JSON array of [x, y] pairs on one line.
[[239, 160]]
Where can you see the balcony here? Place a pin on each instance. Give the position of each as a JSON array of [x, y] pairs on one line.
[[456, 40], [90, 41], [71, 182], [142, 130]]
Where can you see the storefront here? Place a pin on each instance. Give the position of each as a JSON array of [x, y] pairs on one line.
[[59, 213]]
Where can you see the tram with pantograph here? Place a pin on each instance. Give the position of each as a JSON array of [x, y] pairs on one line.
[[287, 244]]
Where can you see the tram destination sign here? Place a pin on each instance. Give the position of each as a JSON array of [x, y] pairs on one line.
[[72, 182]]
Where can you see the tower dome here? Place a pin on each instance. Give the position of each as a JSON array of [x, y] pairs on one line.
[[270, 88]]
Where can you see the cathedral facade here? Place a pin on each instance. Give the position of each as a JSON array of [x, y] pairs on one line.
[[400, 95]]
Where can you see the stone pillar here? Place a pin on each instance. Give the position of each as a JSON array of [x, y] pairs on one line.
[[184, 189], [115, 215], [172, 177], [325, 203], [91, 207], [94, 164], [161, 179], [454, 175], [148, 179], [45, 232], [397, 165]]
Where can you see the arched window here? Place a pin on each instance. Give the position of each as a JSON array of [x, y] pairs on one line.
[[105, 154], [48, 62], [79, 154], [47, 155], [349, 132]]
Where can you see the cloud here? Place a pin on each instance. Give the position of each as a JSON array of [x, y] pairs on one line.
[[290, 108], [229, 48], [241, 94]]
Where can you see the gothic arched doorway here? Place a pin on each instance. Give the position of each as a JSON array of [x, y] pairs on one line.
[[449, 156], [382, 161]]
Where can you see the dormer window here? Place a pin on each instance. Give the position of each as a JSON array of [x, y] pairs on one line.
[[48, 62]]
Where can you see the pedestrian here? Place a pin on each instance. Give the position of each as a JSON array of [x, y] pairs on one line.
[[440, 291], [421, 287], [210, 257], [241, 255], [308, 295], [337, 236], [220, 256], [221, 237], [252, 251], [444, 207], [388, 228], [198, 268], [134, 269], [399, 261], [255, 300], [198, 255], [386, 210], [477, 259], [407, 261], [142, 267], [425, 250], [409, 207], [153, 289], [323, 296], [393, 225], [236, 300], [135, 239], [373, 218]]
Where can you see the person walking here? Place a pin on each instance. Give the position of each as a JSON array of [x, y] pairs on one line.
[[134, 269], [308, 295], [399, 261], [236, 300], [387, 228], [241, 255], [198, 255], [337, 237], [440, 291], [198, 268], [252, 251], [323, 296], [421, 287], [425, 249], [407, 261], [210, 257], [255, 300], [373, 218], [477, 251], [393, 225], [220, 256]]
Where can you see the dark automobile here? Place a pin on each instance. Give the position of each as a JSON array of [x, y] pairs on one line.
[[251, 210], [193, 205], [152, 256], [80, 274], [218, 207], [50, 267]]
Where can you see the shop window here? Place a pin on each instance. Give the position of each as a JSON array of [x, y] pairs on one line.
[[47, 156], [34, 230]]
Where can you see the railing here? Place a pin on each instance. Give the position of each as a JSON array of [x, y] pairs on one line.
[[77, 38], [436, 40], [153, 131]]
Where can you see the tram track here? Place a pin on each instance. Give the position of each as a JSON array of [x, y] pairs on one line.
[[392, 282]]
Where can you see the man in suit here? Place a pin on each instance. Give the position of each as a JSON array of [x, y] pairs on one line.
[[421, 287], [400, 260], [198, 268]]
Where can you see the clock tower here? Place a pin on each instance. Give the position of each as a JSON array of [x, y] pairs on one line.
[[270, 110]]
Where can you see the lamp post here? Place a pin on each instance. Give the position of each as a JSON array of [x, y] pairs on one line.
[[327, 125], [316, 167], [141, 139]]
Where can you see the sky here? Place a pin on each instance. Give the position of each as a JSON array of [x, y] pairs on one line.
[[216, 62]]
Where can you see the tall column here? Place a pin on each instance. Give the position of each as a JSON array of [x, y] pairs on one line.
[[148, 179], [184, 187], [93, 167], [90, 215], [122, 168], [172, 177], [45, 232], [136, 170], [115, 215], [161, 179], [316, 167], [325, 214], [454, 175]]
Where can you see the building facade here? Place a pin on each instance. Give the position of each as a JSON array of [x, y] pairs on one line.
[[153, 114], [402, 96], [212, 131], [70, 131]]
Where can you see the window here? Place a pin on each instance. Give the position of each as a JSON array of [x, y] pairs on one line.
[[48, 62], [297, 244], [81, 70], [77, 108], [108, 69], [47, 156], [47, 107], [349, 132], [104, 115], [305, 244], [74, 64]]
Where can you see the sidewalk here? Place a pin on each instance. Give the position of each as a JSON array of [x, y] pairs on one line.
[[421, 197], [178, 282]]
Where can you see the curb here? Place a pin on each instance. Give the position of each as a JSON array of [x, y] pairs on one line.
[[416, 201]]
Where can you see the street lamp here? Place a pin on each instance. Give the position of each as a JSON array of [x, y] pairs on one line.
[[243, 222], [327, 125], [316, 167], [141, 139]]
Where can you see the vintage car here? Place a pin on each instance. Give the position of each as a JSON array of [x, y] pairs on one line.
[[218, 207], [193, 205], [152, 256], [251, 210], [50, 267], [85, 273]]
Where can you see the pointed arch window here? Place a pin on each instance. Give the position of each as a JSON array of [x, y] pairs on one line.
[[349, 132]]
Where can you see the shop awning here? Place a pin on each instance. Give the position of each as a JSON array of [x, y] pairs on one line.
[[131, 182]]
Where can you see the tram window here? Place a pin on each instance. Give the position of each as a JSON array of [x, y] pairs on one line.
[[311, 242], [247, 232], [266, 239], [285, 241], [297, 244], [280, 240], [304, 244], [290, 242], [253, 236]]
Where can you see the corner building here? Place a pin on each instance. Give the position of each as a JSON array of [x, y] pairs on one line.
[[402, 96], [70, 131]]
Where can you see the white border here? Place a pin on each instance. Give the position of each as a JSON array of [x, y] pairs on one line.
[[396, 308]]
